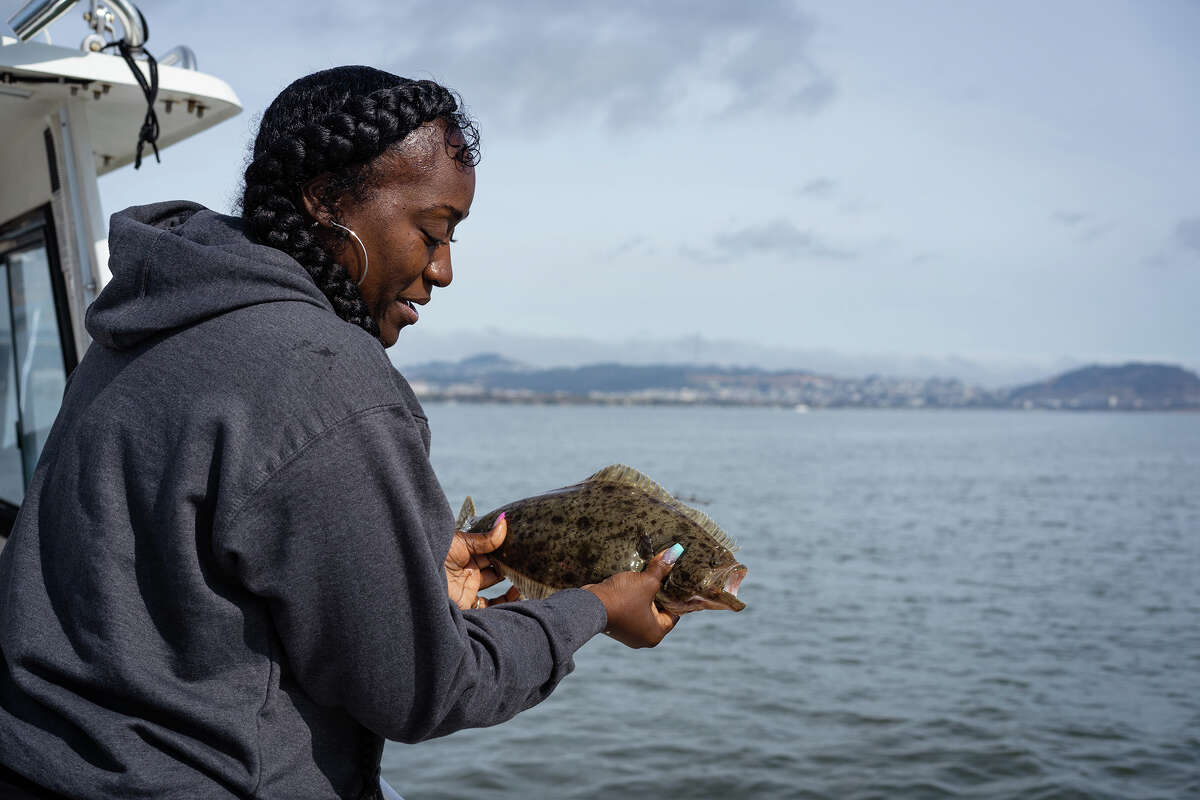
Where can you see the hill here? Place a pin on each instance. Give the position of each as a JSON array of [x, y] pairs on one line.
[[1128, 386], [491, 377]]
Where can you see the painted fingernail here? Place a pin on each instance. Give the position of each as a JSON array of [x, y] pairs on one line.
[[672, 555], [500, 518]]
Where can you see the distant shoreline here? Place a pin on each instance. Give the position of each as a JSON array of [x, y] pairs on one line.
[[550, 400], [489, 377]]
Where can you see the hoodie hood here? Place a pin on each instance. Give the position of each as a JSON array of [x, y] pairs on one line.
[[176, 264]]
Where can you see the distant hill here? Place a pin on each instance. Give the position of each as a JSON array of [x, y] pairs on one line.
[[1129, 386], [421, 344], [493, 372], [470, 368], [492, 377]]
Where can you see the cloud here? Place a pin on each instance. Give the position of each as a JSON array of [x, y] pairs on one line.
[[779, 238], [629, 246], [1187, 234], [1070, 218], [1182, 246], [622, 63], [818, 187], [1157, 260], [1096, 231], [1086, 227]]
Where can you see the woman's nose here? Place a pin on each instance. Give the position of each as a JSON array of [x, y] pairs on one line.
[[439, 272]]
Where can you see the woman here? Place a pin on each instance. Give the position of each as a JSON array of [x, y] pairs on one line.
[[233, 573]]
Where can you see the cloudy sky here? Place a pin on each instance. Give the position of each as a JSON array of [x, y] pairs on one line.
[[1004, 182]]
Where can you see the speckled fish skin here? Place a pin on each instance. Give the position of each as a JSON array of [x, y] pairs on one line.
[[584, 533]]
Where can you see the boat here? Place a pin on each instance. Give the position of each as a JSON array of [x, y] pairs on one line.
[[67, 116]]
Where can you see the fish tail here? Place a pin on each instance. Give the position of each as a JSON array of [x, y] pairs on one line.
[[466, 514]]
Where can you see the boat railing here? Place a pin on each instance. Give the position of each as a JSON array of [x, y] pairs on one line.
[[36, 16], [180, 56], [101, 16]]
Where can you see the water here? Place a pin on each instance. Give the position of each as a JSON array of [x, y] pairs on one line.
[[941, 604]]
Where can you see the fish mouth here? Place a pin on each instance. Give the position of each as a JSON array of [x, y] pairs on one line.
[[723, 601], [734, 579], [726, 598]]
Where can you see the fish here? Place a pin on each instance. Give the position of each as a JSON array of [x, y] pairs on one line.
[[614, 521]]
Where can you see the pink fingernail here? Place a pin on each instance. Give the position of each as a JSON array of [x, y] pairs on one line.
[[672, 555], [500, 518]]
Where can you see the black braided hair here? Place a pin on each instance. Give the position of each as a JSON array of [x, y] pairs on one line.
[[337, 122]]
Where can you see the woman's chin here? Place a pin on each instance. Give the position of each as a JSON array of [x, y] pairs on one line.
[[389, 332], [398, 317]]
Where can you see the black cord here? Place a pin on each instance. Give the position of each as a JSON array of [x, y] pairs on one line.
[[149, 130]]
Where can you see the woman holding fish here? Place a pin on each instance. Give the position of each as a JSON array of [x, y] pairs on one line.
[[230, 576]]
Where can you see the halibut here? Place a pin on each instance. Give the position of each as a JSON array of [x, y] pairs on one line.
[[615, 521]]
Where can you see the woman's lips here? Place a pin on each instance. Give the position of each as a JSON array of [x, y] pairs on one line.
[[408, 312]]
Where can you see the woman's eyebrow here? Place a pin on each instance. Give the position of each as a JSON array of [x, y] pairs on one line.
[[454, 213]]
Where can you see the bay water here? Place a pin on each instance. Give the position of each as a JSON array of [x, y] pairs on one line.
[[980, 604]]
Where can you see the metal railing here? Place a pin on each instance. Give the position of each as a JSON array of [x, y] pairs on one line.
[[37, 15]]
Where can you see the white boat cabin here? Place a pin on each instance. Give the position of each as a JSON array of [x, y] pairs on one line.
[[67, 116]]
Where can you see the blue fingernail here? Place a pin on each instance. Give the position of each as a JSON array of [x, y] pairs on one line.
[[672, 555]]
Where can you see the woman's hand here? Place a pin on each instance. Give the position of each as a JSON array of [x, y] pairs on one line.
[[468, 569], [633, 618]]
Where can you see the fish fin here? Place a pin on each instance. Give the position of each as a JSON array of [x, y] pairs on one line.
[[619, 473], [465, 515], [711, 528], [528, 587]]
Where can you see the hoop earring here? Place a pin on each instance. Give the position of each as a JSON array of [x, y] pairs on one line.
[[363, 247]]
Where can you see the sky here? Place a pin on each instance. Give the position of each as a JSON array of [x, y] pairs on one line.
[[1014, 185]]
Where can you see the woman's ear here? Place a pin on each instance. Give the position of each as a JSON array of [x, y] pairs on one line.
[[312, 192]]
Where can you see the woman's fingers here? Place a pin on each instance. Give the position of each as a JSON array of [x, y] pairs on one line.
[[661, 564], [634, 619], [508, 597], [666, 619], [480, 543], [659, 567], [489, 576], [468, 568]]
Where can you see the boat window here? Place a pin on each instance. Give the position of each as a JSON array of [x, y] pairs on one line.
[[12, 474], [33, 363]]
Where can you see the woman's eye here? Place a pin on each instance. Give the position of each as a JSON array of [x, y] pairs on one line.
[[433, 241]]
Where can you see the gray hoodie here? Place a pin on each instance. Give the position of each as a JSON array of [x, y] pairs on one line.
[[226, 579]]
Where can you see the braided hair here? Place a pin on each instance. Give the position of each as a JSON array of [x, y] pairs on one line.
[[336, 123]]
